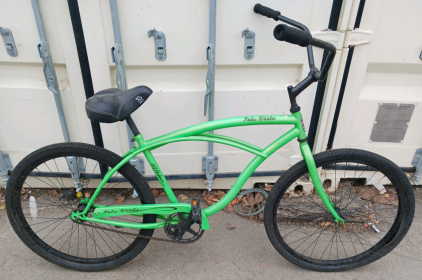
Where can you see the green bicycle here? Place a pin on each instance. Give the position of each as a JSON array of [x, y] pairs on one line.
[[334, 211]]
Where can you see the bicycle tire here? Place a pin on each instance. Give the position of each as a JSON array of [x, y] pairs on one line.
[[303, 256], [23, 229]]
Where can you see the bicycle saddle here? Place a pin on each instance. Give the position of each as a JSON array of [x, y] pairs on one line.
[[113, 104]]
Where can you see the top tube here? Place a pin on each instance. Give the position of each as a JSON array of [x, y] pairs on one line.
[[226, 123]]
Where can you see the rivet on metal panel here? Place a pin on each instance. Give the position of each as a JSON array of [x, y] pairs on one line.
[[5, 167], [160, 44], [9, 42], [249, 49]]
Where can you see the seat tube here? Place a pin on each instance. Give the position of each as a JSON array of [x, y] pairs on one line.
[[160, 176]]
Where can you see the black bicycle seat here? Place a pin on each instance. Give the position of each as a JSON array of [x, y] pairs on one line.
[[113, 104]]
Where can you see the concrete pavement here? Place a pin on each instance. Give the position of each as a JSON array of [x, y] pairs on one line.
[[242, 253]]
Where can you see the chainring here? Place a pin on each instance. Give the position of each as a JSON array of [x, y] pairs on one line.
[[174, 230]]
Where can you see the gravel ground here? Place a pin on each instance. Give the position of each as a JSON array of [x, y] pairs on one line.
[[241, 253]]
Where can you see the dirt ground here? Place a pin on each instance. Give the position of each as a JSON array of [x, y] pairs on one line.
[[241, 253]]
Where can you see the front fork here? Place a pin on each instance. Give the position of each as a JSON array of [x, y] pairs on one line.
[[313, 172]]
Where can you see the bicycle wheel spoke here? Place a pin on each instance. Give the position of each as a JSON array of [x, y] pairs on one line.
[[61, 185], [46, 205], [72, 229], [54, 228], [57, 168], [308, 229]]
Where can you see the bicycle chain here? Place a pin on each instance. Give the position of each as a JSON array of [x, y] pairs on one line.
[[133, 234]]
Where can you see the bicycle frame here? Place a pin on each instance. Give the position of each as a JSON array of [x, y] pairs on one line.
[[199, 133]]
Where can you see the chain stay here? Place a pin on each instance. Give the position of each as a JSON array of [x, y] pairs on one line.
[[133, 234]]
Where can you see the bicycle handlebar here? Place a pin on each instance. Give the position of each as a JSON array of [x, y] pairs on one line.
[[266, 12], [292, 35], [299, 36]]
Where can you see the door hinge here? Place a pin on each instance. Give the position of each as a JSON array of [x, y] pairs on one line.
[[334, 37], [345, 39], [358, 37]]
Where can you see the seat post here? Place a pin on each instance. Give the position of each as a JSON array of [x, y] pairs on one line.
[[132, 126]]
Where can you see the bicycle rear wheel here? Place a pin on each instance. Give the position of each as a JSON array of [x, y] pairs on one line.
[[40, 197], [371, 193]]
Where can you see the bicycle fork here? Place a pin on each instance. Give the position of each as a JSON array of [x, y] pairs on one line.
[[313, 172]]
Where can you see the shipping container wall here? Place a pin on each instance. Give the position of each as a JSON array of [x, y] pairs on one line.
[[385, 70], [381, 108]]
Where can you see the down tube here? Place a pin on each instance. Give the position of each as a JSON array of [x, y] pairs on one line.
[[250, 168]]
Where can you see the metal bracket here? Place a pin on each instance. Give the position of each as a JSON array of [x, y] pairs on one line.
[[5, 167], [160, 44], [117, 58], [334, 37], [210, 162], [209, 78], [48, 68], [417, 162], [9, 42], [49, 71], [344, 39], [249, 43], [358, 37], [139, 164], [209, 166], [76, 167]]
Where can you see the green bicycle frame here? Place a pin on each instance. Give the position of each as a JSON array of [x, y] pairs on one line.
[[199, 133]]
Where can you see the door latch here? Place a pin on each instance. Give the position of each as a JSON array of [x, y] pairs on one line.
[[249, 43], [160, 44], [9, 42]]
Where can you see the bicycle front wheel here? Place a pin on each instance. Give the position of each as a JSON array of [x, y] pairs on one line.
[[371, 194], [41, 196]]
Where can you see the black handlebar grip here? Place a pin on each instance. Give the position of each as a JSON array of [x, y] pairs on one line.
[[323, 45], [265, 11], [292, 35]]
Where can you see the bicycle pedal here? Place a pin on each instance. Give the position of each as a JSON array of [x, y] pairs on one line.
[[196, 210]]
